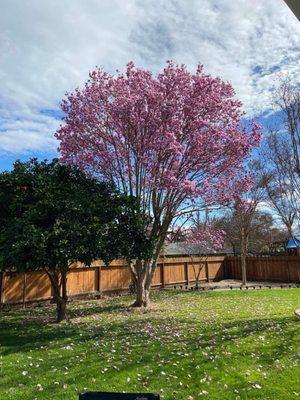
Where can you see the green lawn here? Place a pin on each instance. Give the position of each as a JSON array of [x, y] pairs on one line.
[[215, 345]]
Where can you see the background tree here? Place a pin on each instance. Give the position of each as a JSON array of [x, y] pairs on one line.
[[52, 215], [263, 233], [280, 156], [244, 211], [286, 98], [201, 240], [281, 179], [174, 141], [199, 235]]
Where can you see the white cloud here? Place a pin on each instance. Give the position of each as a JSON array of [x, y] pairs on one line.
[[48, 47], [24, 130], [245, 42]]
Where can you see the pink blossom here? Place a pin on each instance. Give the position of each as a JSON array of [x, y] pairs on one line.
[[206, 238], [167, 139]]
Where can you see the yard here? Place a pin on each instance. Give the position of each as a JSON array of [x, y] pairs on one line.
[[189, 345]]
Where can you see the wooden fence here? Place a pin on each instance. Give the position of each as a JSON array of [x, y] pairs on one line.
[[35, 286], [285, 269]]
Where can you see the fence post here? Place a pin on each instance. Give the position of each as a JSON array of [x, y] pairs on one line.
[[162, 273], [288, 271], [99, 278], [186, 269], [224, 269], [206, 271], [227, 268], [24, 289]]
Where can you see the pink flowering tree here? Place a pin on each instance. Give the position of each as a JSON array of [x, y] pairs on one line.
[[174, 141], [201, 241]]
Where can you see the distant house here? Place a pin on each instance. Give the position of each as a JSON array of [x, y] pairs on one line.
[[180, 249], [293, 245]]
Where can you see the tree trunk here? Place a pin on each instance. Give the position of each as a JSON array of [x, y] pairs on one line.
[[142, 294], [59, 286], [133, 282], [61, 305], [197, 276], [243, 258], [233, 249], [143, 270], [244, 272], [1, 287], [144, 274], [140, 271]]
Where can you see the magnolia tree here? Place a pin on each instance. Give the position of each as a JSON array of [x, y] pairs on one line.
[[202, 241], [174, 141]]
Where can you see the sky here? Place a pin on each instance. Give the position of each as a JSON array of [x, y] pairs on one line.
[[48, 47]]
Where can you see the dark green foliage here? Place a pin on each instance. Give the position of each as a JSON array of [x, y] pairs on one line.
[[52, 215]]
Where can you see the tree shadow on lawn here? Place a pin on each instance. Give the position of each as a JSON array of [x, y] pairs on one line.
[[23, 330], [85, 310], [45, 314], [20, 332], [31, 320], [148, 345]]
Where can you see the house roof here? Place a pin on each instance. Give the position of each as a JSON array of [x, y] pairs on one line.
[[179, 248]]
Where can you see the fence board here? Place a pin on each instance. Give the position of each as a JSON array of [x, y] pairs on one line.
[[12, 288], [115, 277], [174, 274], [38, 286], [82, 281], [157, 277]]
